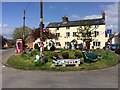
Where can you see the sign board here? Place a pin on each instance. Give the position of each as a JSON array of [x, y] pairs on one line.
[[109, 31], [66, 62]]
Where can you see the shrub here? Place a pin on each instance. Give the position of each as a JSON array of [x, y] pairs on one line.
[[45, 59], [65, 54], [30, 54], [25, 56], [39, 63], [71, 56], [59, 48], [35, 52], [78, 54], [46, 48], [55, 54], [52, 48]]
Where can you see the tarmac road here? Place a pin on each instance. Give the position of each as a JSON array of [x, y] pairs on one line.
[[15, 78]]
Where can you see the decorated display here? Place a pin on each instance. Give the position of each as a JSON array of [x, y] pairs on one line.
[[19, 46]]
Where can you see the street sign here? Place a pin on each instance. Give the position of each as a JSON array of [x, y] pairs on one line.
[[109, 31]]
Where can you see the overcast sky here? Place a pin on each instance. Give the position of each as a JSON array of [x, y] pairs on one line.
[[12, 13]]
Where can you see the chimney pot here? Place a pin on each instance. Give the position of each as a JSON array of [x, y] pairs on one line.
[[103, 15], [64, 18]]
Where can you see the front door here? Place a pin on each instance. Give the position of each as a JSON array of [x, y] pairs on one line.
[[88, 45]]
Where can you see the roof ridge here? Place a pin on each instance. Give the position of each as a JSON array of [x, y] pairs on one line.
[[78, 20]]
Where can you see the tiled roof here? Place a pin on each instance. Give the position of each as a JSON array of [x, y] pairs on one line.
[[77, 23]]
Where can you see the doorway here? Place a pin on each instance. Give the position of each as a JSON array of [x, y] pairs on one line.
[[88, 44]]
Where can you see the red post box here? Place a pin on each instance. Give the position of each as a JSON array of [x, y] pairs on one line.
[[19, 46]]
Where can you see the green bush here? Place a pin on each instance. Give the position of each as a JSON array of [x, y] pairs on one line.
[[71, 56], [45, 59], [78, 54], [39, 63], [30, 54], [46, 48], [35, 52], [24, 56], [55, 54], [59, 49], [65, 54]]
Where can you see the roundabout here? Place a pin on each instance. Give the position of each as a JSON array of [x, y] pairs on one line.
[[17, 78], [28, 62]]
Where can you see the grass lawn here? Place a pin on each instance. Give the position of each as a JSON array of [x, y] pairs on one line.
[[26, 61]]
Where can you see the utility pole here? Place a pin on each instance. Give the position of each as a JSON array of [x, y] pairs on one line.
[[41, 18], [24, 31], [41, 29]]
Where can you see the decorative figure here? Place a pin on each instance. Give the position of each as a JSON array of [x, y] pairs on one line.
[[72, 46], [19, 46]]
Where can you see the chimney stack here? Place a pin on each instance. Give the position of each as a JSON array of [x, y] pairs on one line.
[[64, 18], [103, 15]]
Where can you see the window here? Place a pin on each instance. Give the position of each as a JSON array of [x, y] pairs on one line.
[[67, 34], [57, 43], [96, 33], [58, 34], [67, 27], [96, 43], [74, 34], [67, 43], [89, 34]]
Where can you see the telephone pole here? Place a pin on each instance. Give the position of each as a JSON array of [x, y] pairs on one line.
[[41, 30], [41, 18], [24, 31]]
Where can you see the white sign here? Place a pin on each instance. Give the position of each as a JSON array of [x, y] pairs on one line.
[[66, 62]]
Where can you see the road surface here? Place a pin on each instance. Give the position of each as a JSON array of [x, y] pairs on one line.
[[15, 78]]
